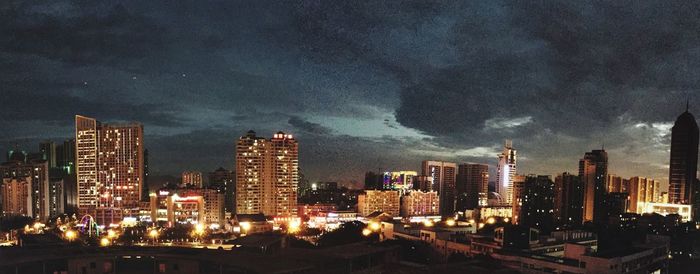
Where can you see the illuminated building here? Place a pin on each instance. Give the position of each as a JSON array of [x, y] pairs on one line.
[[423, 183], [568, 200], [109, 163], [418, 203], [665, 209], [56, 197], [386, 201], [315, 209], [267, 174], [593, 170], [641, 192], [518, 186], [192, 178], [472, 186], [507, 166], [398, 180], [538, 203], [225, 181], [485, 212], [444, 178], [616, 184], [214, 212], [25, 187], [187, 206], [683, 164]]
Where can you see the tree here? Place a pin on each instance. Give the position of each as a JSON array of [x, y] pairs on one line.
[[9, 223]]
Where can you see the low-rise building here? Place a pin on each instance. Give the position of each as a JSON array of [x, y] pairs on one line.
[[418, 203], [386, 201]]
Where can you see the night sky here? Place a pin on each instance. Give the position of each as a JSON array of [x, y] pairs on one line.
[[361, 84]]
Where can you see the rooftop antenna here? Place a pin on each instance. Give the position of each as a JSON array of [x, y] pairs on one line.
[[687, 103]]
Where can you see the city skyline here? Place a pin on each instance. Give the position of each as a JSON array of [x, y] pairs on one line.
[[364, 98]]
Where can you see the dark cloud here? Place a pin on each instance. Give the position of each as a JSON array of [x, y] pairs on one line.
[[307, 126], [452, 78]]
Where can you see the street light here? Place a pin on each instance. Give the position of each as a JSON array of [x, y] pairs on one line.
[[366, 232], [154, 234], [294, 227], [450, 222], [491, 220], [111, 234], [70, 235], [245, 226], [104, 242], [199, 230], [374, 226]]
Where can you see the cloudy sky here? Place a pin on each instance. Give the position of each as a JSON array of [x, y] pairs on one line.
[[362, 84]]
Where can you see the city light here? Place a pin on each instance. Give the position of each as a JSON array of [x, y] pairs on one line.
[[428, 223], [70, 235], [374, 226], [294, 226], [366, 232], [111, 234], [491, 220], [450, 222], [245, 226], [199, 229], [104, 242]]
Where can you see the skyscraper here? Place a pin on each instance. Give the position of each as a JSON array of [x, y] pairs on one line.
[[109, 163], [225, 181], [192, 178], [593, 170], [568, 200], [538, 203], [641, 192], [267, 174], [683, 165], [507, 166], [444, 176], [472, 183], [25, 186]]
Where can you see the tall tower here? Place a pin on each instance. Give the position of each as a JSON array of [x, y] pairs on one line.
[[86, 160], [507, 167], [444, 178], [593, 170], [472, 184], [109, 163], [267, 174], [684, 162]]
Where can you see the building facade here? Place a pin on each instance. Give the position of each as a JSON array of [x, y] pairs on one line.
[[538, 203], [593, 170], [568, 200], [507, 168], [109, 164], [472, 186], [267, 175], [25, 188], [641, 192], [418, 203], [444, 179], [386, 201], [683, 164], [192, 178]]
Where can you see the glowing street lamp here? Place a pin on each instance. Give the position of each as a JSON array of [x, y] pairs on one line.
[[491, 220], [366, 232], [245, 226], [104, 242], [450, 222], [374, 226], [70, 235], [428, 223], [294, 227], [153, 234], [111, 234]]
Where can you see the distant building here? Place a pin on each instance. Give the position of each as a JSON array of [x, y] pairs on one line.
[[616, 184], [423, 183], [641, 192], [418, 203], [398, 180], [225, 181], [538, 203], [192, 178], [568, 200], [186, 206], [374, 180], [444, 178], [56, 197], [507, 168], [683, 165], [267, 174], [315, 209], [593, 170], [25, 187], [109, 163], [518, 192], [386, 201], [472, 186]]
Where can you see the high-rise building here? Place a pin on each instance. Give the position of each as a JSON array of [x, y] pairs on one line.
[[518, 187], [373, 180], [616, 183], [538, 203], [25, 187], [444, 176], [418, 203], [109, 163], [386, 201], [267, 174], [683, 165], [192, 178], [641, 192], [213, 206], [146, 174], [398, 180], [48, 153], [472, 184], [507, 167], [65, 164], [593, 170], [56, 197], [568, 200], [225, 181]]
